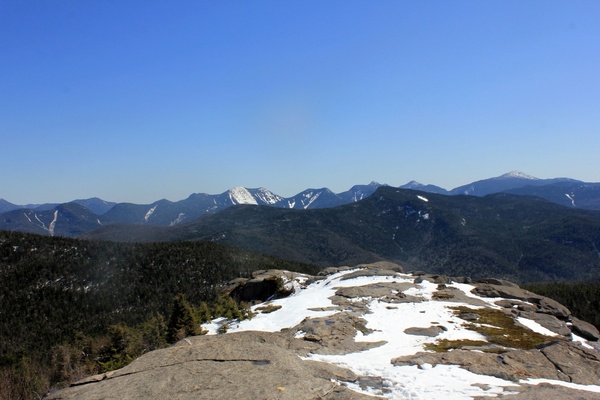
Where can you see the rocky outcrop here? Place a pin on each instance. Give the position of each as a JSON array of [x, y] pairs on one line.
[[584, 329], [264, 285], [560, 360], [245, 365], [512, 291], [432, 331], [292, 362]]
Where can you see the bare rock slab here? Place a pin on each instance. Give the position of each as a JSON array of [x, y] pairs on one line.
[[241, 365]]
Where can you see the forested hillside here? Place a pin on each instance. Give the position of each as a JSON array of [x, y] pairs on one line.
[[518, 238], [57, 292], [583, 298]]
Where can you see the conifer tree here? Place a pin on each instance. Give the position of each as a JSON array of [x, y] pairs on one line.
[[183, 322]]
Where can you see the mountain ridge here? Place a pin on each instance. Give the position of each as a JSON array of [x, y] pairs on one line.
[[169, 213], [520, 238]]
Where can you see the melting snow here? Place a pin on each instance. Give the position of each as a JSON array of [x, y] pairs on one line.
[[388, 324], [534, 326]]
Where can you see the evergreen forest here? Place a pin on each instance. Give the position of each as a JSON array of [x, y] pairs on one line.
[[70, 308]]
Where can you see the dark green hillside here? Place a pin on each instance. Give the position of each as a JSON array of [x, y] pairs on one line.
[[523, 239], [53, 288], [583, 298], [569, 194], [70, 219]]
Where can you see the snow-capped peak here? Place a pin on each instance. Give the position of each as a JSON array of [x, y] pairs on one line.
[[517, 174], [413, 184], [266, 196], [241, 195]]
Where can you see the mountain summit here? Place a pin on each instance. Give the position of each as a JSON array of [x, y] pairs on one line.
[[517, 174], [510, 180], [356, 333]]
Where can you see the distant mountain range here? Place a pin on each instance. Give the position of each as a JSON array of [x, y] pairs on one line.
[[84, 215], [520, 238]]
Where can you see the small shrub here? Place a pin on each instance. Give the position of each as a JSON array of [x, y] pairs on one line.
[[269, 308]]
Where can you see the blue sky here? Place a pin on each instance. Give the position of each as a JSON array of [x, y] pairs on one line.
[[134, 101]]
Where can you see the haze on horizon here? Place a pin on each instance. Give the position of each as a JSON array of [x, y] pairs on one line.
[[137, 101]]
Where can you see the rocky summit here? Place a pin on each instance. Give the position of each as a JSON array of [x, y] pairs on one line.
[[371, 331]]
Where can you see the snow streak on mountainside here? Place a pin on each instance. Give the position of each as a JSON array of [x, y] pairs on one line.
[[149, 214], [179, 219], [309, 198], [53, 223], [563, 191]]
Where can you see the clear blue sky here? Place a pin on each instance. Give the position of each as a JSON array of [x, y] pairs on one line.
[[134, 101]]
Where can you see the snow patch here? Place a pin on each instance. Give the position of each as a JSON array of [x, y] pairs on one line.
[[387, 324], [571, 197], [149, 213], [178, 220], [267, 197], [425, 199], [518, 174], [534, 326], [42, 225], [589, 388], [310, 198], [53, 223], [241, 195]]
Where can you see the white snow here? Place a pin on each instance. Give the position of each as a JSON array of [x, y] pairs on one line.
[[518, 174], [42, 225], [425, 199], [571, 197], [387, 322], [149, 213], [53, 223], [589, 388], [267, 197], [309, 198], [241, 195], [178, 220], [534, 326]]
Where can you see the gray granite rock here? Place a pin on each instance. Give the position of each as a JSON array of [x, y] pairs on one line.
[[584, 329], [238, 365]]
